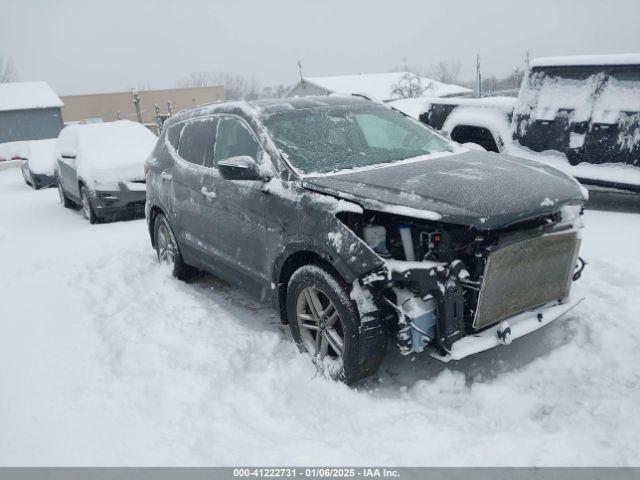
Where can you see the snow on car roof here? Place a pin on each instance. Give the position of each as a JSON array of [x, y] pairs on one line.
[[109, 151], [27, 95], [582, 60], [380, 85], [266, 106]]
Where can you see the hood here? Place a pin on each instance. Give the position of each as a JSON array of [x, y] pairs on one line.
[[479, 189]]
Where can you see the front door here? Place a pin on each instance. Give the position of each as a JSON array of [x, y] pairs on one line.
[[233, 215]]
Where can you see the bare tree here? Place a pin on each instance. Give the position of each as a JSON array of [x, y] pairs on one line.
[[410, 85], [236, 87], [277, 91], [7, 72], [491, 83], [195, 79], [446, 71]]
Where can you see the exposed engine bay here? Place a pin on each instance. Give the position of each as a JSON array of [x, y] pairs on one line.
[[442, 282]]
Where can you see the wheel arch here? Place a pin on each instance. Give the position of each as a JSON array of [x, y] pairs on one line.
[[490, 123], [291, 261], [475, 134], [154, 211]]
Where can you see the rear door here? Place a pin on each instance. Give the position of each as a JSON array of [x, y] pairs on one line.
[[195, 151]]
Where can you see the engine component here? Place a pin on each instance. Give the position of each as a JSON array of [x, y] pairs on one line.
[[417, 326], [407, 242], [376, 237]]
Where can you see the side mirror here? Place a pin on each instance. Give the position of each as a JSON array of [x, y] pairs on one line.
[[69, 153], [240, 168]]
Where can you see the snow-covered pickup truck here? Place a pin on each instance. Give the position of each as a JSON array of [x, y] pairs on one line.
[[582, 111]]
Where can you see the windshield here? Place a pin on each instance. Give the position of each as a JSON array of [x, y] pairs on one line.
[[332, 138]]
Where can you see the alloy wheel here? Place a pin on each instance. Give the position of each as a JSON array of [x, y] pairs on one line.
[[319, 323], [166, 245]]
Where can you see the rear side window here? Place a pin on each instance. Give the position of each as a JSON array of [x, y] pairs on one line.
[[234, 139], [173, 135], [197, 141]]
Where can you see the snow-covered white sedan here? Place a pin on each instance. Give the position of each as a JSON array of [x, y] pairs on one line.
[[100, 166], [39, 160]]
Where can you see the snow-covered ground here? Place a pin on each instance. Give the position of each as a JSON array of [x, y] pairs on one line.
[[107, 360]]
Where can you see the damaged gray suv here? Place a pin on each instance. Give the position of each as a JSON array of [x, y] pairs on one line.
[[362, 226]]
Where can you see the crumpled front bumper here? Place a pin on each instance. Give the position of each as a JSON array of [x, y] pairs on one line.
[[507, 330]]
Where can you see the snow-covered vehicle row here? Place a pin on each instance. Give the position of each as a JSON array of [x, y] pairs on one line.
[[37, 160], [585, 107], [100, 166], [360, 224]]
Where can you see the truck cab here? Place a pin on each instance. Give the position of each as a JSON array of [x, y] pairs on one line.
[[587, 108]]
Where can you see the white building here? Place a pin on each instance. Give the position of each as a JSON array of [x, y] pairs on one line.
[[378, 86]]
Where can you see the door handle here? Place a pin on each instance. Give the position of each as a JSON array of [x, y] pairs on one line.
[[209, 194], [166, 176]]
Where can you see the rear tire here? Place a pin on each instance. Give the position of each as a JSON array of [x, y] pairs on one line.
[[87, 207], [168, 251], [319, 306], [63, 197]]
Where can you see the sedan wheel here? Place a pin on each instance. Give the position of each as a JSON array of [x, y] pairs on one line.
[[87, 208]]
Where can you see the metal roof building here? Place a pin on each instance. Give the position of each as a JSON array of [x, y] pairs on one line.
[[378, 86], [29, 111]]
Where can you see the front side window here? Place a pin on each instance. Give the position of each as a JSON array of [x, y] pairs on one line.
[[333, 138], [234, 139], [197, 141]]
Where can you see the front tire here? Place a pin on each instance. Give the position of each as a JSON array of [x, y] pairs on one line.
[[168, 251], [87, 207], [324, 323]]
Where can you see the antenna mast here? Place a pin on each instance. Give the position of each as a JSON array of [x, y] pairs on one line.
[[478, 77]]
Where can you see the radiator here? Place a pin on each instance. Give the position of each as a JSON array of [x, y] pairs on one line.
[[526, 274]]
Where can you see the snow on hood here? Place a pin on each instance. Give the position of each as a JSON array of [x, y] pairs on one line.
[[479, 189], [113, 151]]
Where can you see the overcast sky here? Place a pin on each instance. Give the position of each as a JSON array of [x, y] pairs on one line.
[[86, 46]]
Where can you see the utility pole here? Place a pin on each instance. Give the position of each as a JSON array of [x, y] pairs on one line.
[[527, 59], [136, 103], [478, 77], [300, 68]]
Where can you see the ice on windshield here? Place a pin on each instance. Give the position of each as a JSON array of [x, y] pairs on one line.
[[327, 139]]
